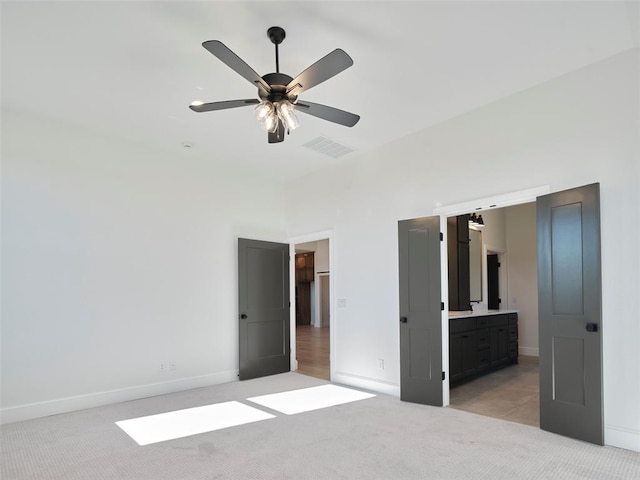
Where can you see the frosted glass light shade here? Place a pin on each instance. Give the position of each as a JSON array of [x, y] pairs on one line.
[[287, 114], [263, 109], [266, 114], [270, 123]]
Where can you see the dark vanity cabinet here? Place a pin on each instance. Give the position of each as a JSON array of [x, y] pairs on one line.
[[463, 347], [458, 255], [305, 267], [305, 273], [481, 344]]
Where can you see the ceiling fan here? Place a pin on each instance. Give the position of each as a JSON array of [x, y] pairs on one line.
[[278, 92]]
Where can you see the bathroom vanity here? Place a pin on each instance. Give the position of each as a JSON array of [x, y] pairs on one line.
[[481, 342]]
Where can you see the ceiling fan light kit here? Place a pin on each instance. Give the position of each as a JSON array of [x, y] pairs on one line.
[[268, 114], [278, 92]]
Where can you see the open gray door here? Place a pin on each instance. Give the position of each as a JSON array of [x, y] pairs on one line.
[[263, 293], [570, 317], [420, 312]]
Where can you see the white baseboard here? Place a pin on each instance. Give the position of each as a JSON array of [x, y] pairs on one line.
[[366, 383], [622, 437], [529, 351], [70, 404]]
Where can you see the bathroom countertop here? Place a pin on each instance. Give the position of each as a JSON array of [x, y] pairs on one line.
[[478, 313]]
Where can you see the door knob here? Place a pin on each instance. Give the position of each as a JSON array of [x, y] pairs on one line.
[[592, 327], [243, 316], [404, 319]]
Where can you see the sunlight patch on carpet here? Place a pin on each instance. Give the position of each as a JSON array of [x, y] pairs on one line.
[[307, 399], [190, 421]]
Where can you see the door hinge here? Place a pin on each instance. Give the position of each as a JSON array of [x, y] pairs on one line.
[[443, 376], [499, 264], [442, 306], [441, 237], [499, 300]]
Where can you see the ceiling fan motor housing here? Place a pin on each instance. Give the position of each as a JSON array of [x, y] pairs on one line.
[[278, 83]]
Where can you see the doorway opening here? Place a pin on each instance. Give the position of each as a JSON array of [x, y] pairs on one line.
[[503, 280], [311, 306]]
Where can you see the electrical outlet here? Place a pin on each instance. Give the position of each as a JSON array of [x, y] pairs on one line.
[[162, 367], [172, 365], [381, 364]]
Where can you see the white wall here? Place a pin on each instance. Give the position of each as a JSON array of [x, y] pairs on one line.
[[522, 268], [321, 259], [578, 129], [306, 247], [115, 260], [493, 233]]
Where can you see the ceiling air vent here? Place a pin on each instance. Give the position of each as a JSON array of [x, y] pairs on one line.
[[328, 147]]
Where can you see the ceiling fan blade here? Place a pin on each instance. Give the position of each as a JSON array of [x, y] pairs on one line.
[[325, 68], [209, 107], [233, 61], [278, 136], [327, 113]]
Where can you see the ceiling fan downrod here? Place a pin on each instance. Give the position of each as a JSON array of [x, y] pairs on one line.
[[276, 35]]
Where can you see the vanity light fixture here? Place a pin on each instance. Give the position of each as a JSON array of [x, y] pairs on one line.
[[476, 221]]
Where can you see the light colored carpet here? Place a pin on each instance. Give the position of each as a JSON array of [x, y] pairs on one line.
[[378, 438]]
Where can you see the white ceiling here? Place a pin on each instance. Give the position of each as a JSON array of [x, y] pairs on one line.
[[130, 69]]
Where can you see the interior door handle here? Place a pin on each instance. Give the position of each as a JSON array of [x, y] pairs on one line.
[[404, 319], [592, 327]]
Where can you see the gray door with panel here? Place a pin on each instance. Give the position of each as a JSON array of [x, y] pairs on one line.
[[420, 312], [570, 317], [263, 294]]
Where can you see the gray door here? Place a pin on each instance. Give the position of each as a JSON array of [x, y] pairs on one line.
[[570, 318], [420, 313], [263, 293]]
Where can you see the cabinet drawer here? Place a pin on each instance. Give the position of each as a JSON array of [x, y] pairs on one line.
[[483, 359], [462, 325], [513, 318], [483, 322], [483, 338], [498, 320]]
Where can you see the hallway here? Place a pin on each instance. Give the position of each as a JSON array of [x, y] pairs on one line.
[[312, 347]]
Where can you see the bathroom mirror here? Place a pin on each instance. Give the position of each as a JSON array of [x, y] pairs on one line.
[[475, 265]]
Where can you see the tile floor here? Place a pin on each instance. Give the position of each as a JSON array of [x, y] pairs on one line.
[[510, 394]]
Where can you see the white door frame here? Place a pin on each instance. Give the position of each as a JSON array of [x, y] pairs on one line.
[[293, 241], [488, 203]]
